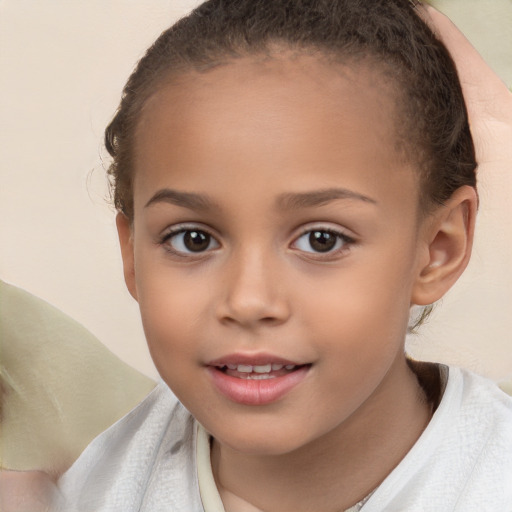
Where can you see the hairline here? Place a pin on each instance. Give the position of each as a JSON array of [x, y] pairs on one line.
[[336, 58]]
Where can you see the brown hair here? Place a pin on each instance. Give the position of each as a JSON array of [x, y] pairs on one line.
[[388, 32]]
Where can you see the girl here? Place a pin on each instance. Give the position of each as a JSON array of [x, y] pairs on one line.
[[291, 177]]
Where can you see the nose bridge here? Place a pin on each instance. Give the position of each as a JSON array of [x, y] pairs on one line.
[[253, 291]]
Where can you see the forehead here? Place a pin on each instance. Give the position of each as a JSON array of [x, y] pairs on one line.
[[297, 83], [272, 112]]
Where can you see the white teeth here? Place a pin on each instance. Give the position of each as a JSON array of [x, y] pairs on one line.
[[262, 369], [261, 376]]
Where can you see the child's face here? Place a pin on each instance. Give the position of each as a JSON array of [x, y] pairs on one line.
[[295, 242]]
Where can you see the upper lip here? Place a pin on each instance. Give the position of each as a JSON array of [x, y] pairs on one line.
[[252, 360]]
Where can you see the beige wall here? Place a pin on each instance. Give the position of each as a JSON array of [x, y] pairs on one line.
[[63, 64]]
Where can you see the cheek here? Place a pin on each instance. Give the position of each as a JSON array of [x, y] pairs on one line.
[[172, 311], [358, 298], [362, 312], [358, 326]]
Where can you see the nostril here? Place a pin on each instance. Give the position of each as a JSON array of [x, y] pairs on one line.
[[267, 320]]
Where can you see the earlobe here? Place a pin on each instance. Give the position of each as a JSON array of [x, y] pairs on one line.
[[124, 231], [448, 243]]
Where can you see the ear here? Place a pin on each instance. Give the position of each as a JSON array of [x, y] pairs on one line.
[[448, 240], [124, 231]]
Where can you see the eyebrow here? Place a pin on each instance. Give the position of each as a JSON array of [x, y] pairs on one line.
[[295, 201], [184, 199], [288, 201]]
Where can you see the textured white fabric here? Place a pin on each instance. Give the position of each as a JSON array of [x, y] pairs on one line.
[[461, 463], [145, 462], [463, 460]]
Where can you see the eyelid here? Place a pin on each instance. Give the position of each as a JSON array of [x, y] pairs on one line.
[[344, 234], [176, 229], [327, 226], [185, 226]]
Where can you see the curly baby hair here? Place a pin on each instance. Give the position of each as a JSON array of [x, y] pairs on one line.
[[388, 35]]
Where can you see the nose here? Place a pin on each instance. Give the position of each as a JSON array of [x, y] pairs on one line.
[[253, 294]]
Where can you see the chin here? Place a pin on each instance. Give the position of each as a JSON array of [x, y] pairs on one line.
[[268, 441]]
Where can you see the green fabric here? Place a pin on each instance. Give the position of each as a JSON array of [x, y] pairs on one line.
[[60, 386], [506, 386]]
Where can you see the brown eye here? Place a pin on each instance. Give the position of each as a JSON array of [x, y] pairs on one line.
[[322, 241], [187, 241], [196, 241]]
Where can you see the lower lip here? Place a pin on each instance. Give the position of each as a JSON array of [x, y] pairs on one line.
[[256, 392]]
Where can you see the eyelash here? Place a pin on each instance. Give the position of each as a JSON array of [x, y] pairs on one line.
[[340, 237], [174, 232]]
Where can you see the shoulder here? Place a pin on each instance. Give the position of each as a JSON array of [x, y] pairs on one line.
[[473, 413], [115, 470], [483, 405], [463, 460], [484, 426], [475, 436], [475, 449]]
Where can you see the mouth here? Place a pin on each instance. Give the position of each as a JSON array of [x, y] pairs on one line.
[[258, 371], [256, 381]]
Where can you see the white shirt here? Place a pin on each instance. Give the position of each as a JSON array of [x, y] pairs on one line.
[[147, 461]]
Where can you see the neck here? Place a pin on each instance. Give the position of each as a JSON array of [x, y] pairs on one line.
[[337, 470]]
